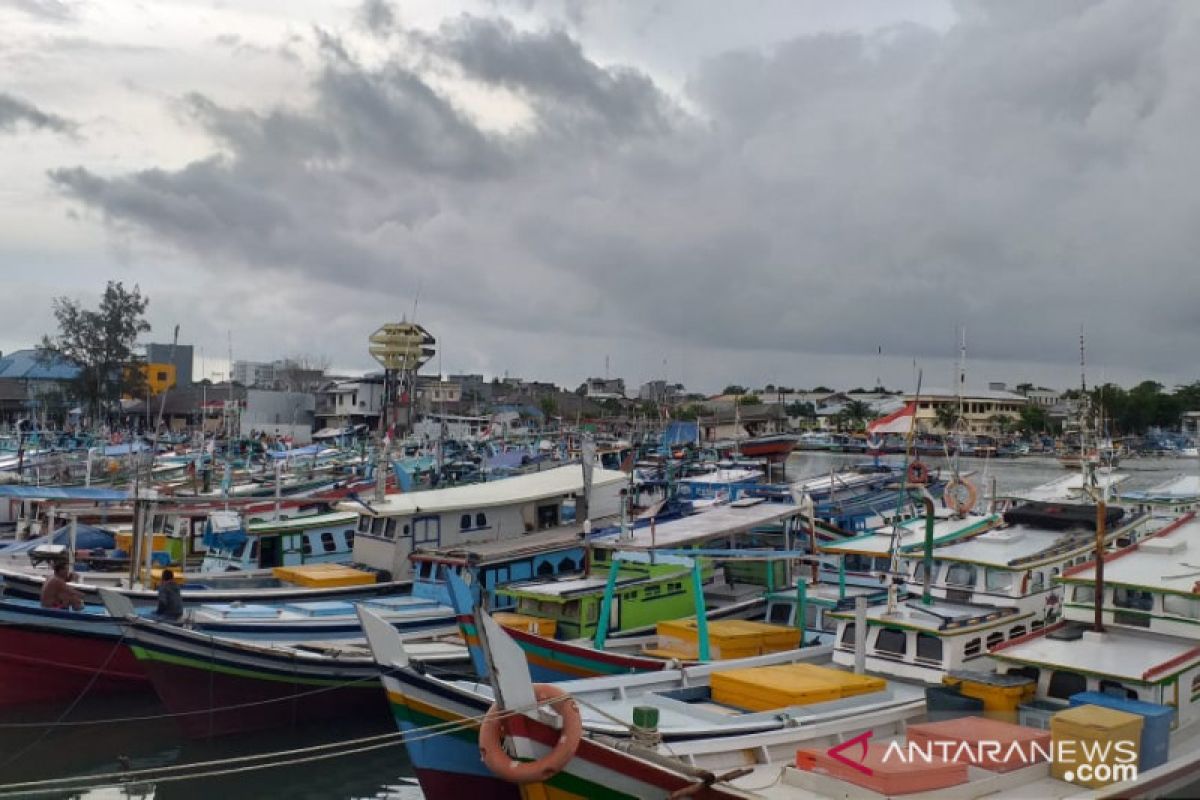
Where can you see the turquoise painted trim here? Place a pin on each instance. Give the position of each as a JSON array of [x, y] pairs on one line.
[[606, 603], [701, 612]]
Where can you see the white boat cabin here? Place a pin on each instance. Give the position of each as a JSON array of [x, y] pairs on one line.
[[493, 511], [313, 539]]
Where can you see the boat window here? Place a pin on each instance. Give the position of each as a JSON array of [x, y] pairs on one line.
[[465, 522], [306, 545], [364, 524], [1037, 581], [327, 543], [891, 640], [1181, 606], [390, 529], [880, 565], [480, 520], [1083, 594], [919, 570], [593, 612], [929, 647], [405, 530], [779, 613], [1195, 686], [1036, 625], [1019, 630], [998, 580], [856, 562], [961, 575], [848, 633], [973, 647], [571, 610], [377, 525], [349, 538], [1063, 684], [1117, 689], [994, 639], [254, 552], [675, 587], [1136, 599], [652, 591]]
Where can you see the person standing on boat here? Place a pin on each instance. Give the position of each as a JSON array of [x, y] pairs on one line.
[[58, 593], [170, 599]]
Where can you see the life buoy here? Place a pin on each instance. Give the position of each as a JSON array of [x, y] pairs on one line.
[[492, 752], [951, 499], [918, 472]]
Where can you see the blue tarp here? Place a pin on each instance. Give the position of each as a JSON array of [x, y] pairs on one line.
[[299, 452], [680, 432], [96, 494], [226, 540]]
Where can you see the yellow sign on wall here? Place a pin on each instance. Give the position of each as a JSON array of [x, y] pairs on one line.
[[159, 377]]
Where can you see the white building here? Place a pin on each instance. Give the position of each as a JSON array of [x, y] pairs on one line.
[[279, 414]]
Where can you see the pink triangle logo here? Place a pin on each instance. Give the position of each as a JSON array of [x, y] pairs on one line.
[[860, 741]]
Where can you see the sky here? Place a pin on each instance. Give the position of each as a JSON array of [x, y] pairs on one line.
[[794, 192]]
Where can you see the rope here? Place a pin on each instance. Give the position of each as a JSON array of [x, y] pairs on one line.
[[164, 774]]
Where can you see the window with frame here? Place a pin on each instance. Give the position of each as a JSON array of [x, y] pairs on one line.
[[973, 647], [1181, 606], [1133, 599], [349, 538], [327, 542], [306, 545], [929, 647], [389, 530], [963, 575], [1037, 581], [891, 641], [481, 520], [1019, 630], [998, 580], [1083, 594], [465, 522], [848, 633], [994, 639], [377, 526]]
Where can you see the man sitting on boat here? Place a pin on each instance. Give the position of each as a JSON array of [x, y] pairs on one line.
[[170, 600], [57, 593]]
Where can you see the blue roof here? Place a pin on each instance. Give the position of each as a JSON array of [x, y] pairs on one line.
[[26, 365]]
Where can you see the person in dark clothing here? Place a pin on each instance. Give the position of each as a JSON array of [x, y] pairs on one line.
[[170, 600]]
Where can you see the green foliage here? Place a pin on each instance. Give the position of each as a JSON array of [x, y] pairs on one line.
[[549, 407], [857, 414], [946, 415], [733, 388], [101, 343], [1034, 419], [801, 409], [749, 400], [689, 412]]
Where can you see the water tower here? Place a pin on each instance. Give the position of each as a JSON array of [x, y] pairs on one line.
[[401, 348]]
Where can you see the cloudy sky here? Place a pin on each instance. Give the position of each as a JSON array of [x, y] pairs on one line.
[[708, 191]]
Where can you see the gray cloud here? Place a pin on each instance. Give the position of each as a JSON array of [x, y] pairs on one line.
[[1023, 172], [14, 111], [377, 17], [51, 10]]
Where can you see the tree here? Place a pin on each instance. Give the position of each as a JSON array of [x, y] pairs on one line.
[[858, 413], [1034, 419], [801, 409], [749, 400], [946, 415], [690, 412], [1000, 423], [101, 343], [733, 388], [822, 390], [549, 407]]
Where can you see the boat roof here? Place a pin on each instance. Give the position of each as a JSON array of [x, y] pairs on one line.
[[555, 482], [1181, 487], [1124, 653], [550, 587], [1163, 562], [839, 480], [740, 515], [1068, 487], [548, 540], [92, 493], [304, 522], [1007, 546], [911, 533], [721, 476], [939, 616]]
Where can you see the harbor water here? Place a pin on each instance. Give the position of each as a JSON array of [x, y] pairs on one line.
[[41, 743]]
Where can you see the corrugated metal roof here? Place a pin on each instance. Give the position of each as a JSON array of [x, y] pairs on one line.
[[26, 365]]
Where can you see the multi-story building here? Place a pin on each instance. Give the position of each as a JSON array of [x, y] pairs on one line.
[[603, 388], [980, 407], [177, 355], [254, 373]]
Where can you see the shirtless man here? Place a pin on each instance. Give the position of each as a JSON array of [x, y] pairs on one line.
[[57, 593]]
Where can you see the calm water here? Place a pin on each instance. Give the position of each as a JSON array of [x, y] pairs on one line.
[[33, 753]]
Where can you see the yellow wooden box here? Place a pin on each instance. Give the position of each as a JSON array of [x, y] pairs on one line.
[[526, 623], [994, 697], [124, 541], [1100, 727], [783, 685], [727, 638], [324, 576]]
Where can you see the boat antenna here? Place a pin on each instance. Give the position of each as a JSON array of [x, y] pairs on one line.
[[904, 498]]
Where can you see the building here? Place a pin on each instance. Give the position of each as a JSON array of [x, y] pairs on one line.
[[254, 373], [159, 376], [432, 392], [603, 389], [279, 414], [980, 407], [177, 355], [1042, 397], [350, 401], [661, 392], [35, 386]]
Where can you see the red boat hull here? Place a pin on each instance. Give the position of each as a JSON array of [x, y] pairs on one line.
[[39, 666], [255, 704], [773, 451], [436, 783]]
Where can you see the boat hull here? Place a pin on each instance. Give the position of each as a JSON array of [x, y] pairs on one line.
[[44, 666]]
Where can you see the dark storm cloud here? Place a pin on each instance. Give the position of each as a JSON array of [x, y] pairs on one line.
[[377, 16], [14, 112], [1026, 171]]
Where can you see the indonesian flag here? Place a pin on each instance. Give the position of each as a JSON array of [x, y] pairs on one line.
[[899, 421]]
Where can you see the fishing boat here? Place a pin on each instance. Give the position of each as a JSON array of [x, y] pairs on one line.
[[775, 448], [982, 590], [215, 685], [686, 704]]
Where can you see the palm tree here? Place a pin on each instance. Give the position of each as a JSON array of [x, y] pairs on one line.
[[858, 413], [946, 415]]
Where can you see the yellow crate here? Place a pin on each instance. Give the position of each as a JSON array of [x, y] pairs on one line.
[[1102, 728], [324, 576], [728, 638], [124, 541], [995, 698], [526, 623], [769, 688]]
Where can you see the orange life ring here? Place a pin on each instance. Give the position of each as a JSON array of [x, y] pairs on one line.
[[918, 472], [492, 752], [960, 506]]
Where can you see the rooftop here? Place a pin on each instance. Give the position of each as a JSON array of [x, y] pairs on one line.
[[1118, 652], [940, 616], [910, 534], [1165, 561], [26, 365], [555, 482], [968, 394], [719, 521], [1003, 546]]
